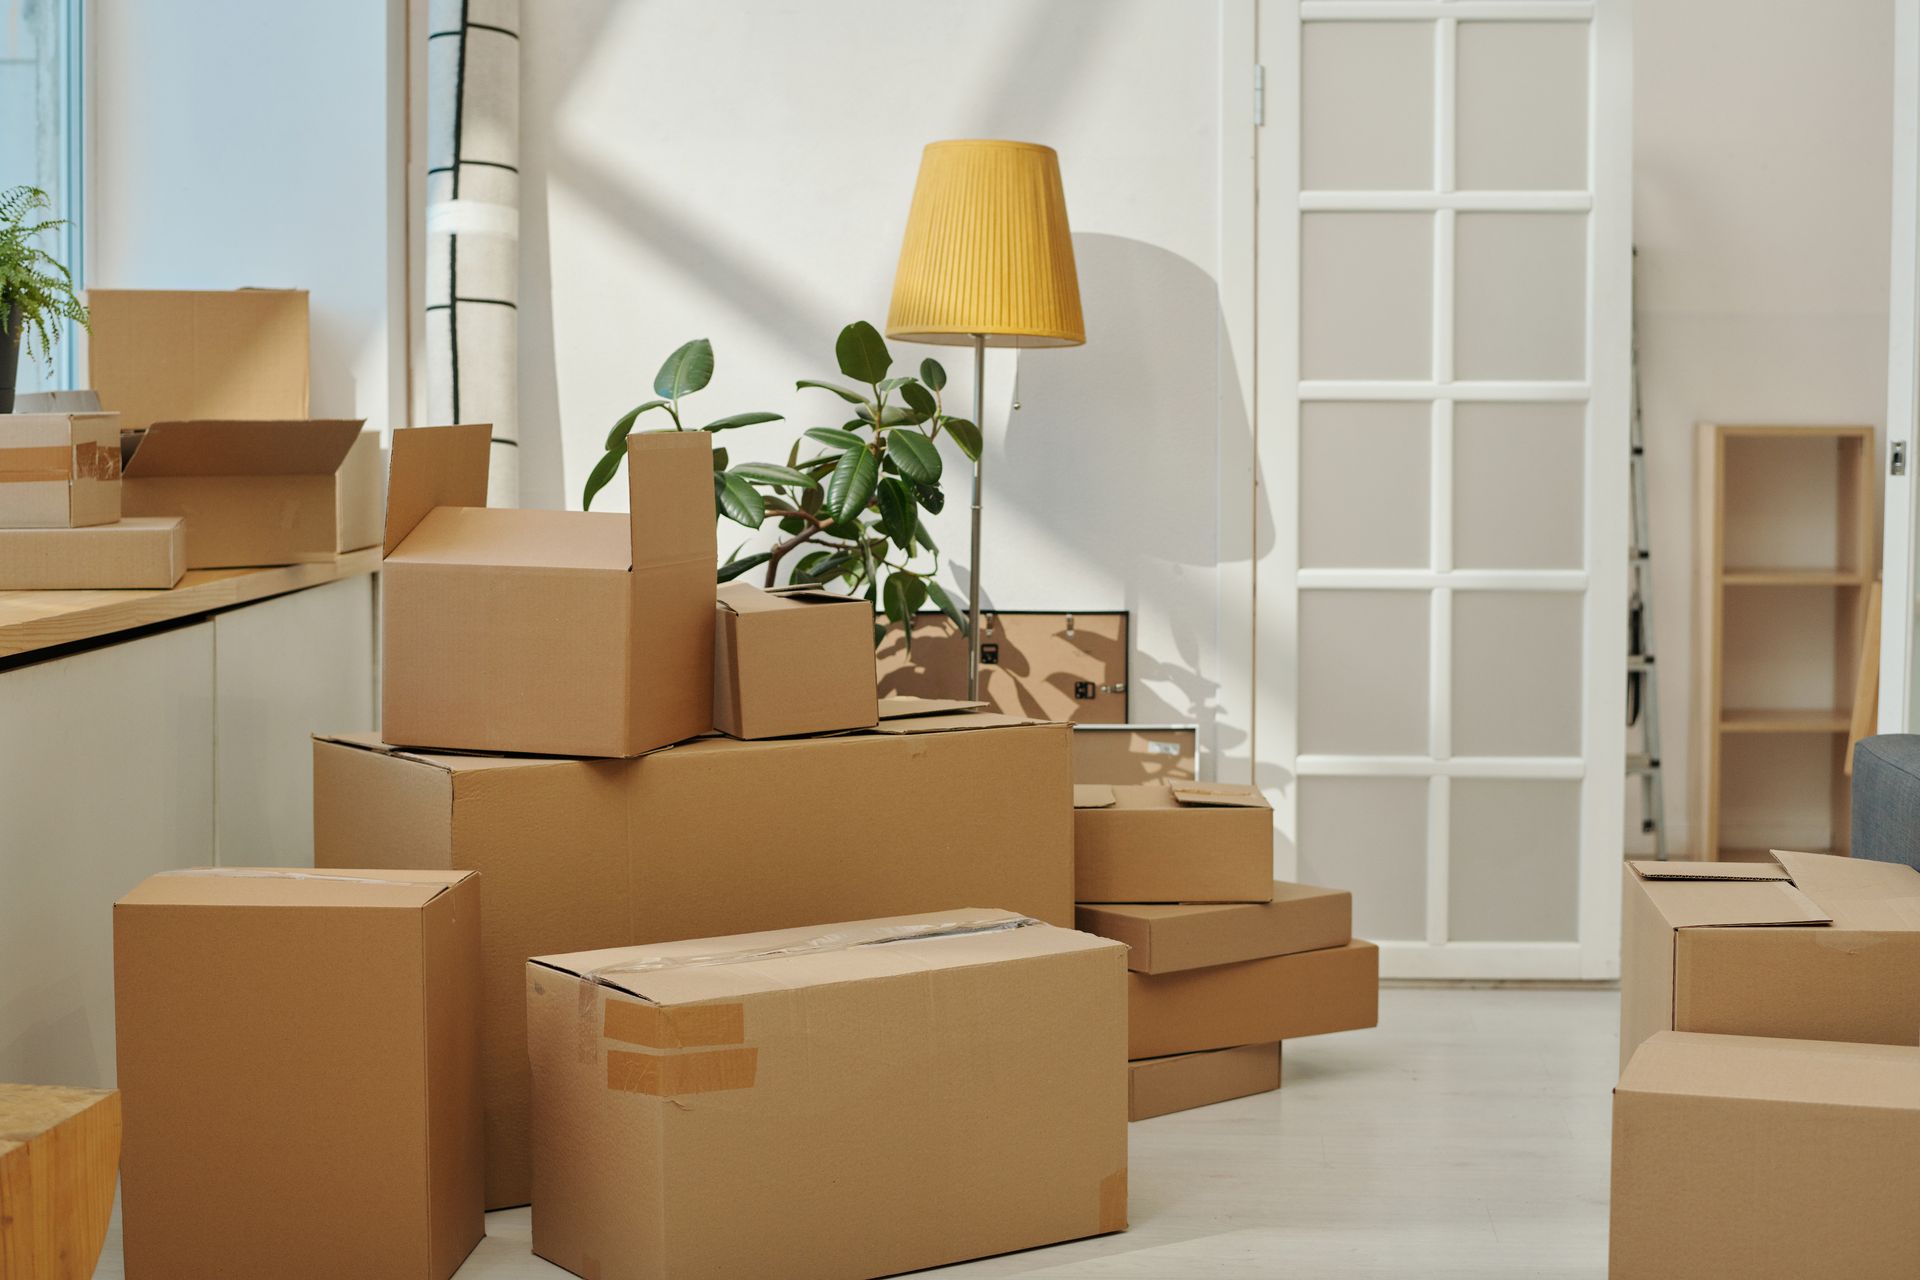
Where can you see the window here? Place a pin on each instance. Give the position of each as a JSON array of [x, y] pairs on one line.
[[40, 135]]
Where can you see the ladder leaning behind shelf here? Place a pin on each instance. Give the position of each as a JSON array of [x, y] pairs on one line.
[[1784, 559]]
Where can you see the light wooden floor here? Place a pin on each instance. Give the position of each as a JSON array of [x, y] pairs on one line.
[[1464, 1139]]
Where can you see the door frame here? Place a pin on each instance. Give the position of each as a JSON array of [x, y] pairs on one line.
[[1898, 553]]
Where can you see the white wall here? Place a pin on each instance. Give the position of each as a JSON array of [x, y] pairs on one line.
[[741, 171], [1761, 187], [235, 144]]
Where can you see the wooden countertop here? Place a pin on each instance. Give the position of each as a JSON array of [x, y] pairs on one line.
[[32, 620]]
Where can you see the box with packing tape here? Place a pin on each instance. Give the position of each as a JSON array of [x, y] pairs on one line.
[[843, 1100], [791, 661], [298, 1069], [583, 633], [59, 470], [1172, 842], [1807, 947], [707, 838]]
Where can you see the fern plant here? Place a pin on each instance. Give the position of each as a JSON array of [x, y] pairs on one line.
[[34, 285]]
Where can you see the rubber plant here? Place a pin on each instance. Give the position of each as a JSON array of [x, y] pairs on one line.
[[36, 290], [850, 513]]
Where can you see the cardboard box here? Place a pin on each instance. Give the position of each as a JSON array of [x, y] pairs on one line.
[[59, 470], [1183, 1081], [791, 661], [1168, 937], [710, 838], [1766, 1160], [297, 1057], [1309, 993], [1130, 754], [139, 552], [1055, 666], [260, 492], [1172, 842], [179, 356], [553, 632], [847, 1100], [1809, 948]]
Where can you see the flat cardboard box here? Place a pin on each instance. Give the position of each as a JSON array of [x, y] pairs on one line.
[[178, 356], [710, 838], [552, 632], [297, 1056], [1130, 754], [1808, 947], [59, 470], [846, 1100], [259, 492], [1766, 1159], [1183, 1081], [1172, 842], [792, 661], [1168, 937], [1309, 993], [141, 552]]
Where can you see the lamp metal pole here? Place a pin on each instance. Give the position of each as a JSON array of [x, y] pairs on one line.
[[973, 566]]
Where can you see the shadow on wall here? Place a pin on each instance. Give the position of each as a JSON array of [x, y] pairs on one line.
[[1114, 452]]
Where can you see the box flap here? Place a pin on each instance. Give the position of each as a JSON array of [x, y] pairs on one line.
[[1758, 1068], [441, 758], [1686, 870], [522, 537], [1719, 904], [1857, 893], [741, 597], [1092, 797], [900, 708], [950, 723], [291, 887], [670, 497], [1223, 795], [432, 467], [83, 401], [225, 448]]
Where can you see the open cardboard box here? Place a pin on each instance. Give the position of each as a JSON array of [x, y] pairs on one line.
[[848, 1100], [59, 470], [554, 632], [792, 660], [1176, 841], [1808, 947], [708, 838]]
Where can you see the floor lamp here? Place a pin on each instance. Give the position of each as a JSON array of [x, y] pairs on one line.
[[987, 262]]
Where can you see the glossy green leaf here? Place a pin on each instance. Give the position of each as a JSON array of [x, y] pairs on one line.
[[930, 497], [966, 435], [739, 501], [903, 595], [894, 384], [862, 352], [733, 420], [772, 473], [933, 374], [894, 415], [921, 536], [917, 456], [734, 568], [686, 370], [851, 397], [792, 524], [835, 438], [945, 604], [852, 484], [919, 399], [603, 472], [618, 436], [897, 515]]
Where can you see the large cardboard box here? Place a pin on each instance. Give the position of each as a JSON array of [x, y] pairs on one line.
[[1172, 842], [1809, 947], [1165, 937], [59, 470], [1183, 1081], [556, 632], [183, 355], [139, 552], [710, 838], [1309, 993], [1766, 1159], [297, 1056], [849, 1100], [794, 661], [259, 492]]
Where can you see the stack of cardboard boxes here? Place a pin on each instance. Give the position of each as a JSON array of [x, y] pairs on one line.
[[549, 858], [1225, 963], [1767, 1118], [204, 458]]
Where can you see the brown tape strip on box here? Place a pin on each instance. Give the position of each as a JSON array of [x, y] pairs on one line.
[[35, 464], [682, 1027], [1113, 1202], [672, 1075]]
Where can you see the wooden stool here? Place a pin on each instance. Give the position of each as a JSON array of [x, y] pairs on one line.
[[59, 1157]]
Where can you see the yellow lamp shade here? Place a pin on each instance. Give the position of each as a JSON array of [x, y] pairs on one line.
[[987, 250]]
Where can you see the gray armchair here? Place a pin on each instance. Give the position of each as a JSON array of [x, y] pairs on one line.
[[1886, 798]]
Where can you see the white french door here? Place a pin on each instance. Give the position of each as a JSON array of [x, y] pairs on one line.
[[1899, 690], [1445, 264]]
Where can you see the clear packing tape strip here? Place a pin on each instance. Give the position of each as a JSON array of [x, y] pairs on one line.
[[270, 873], [842, 940]]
